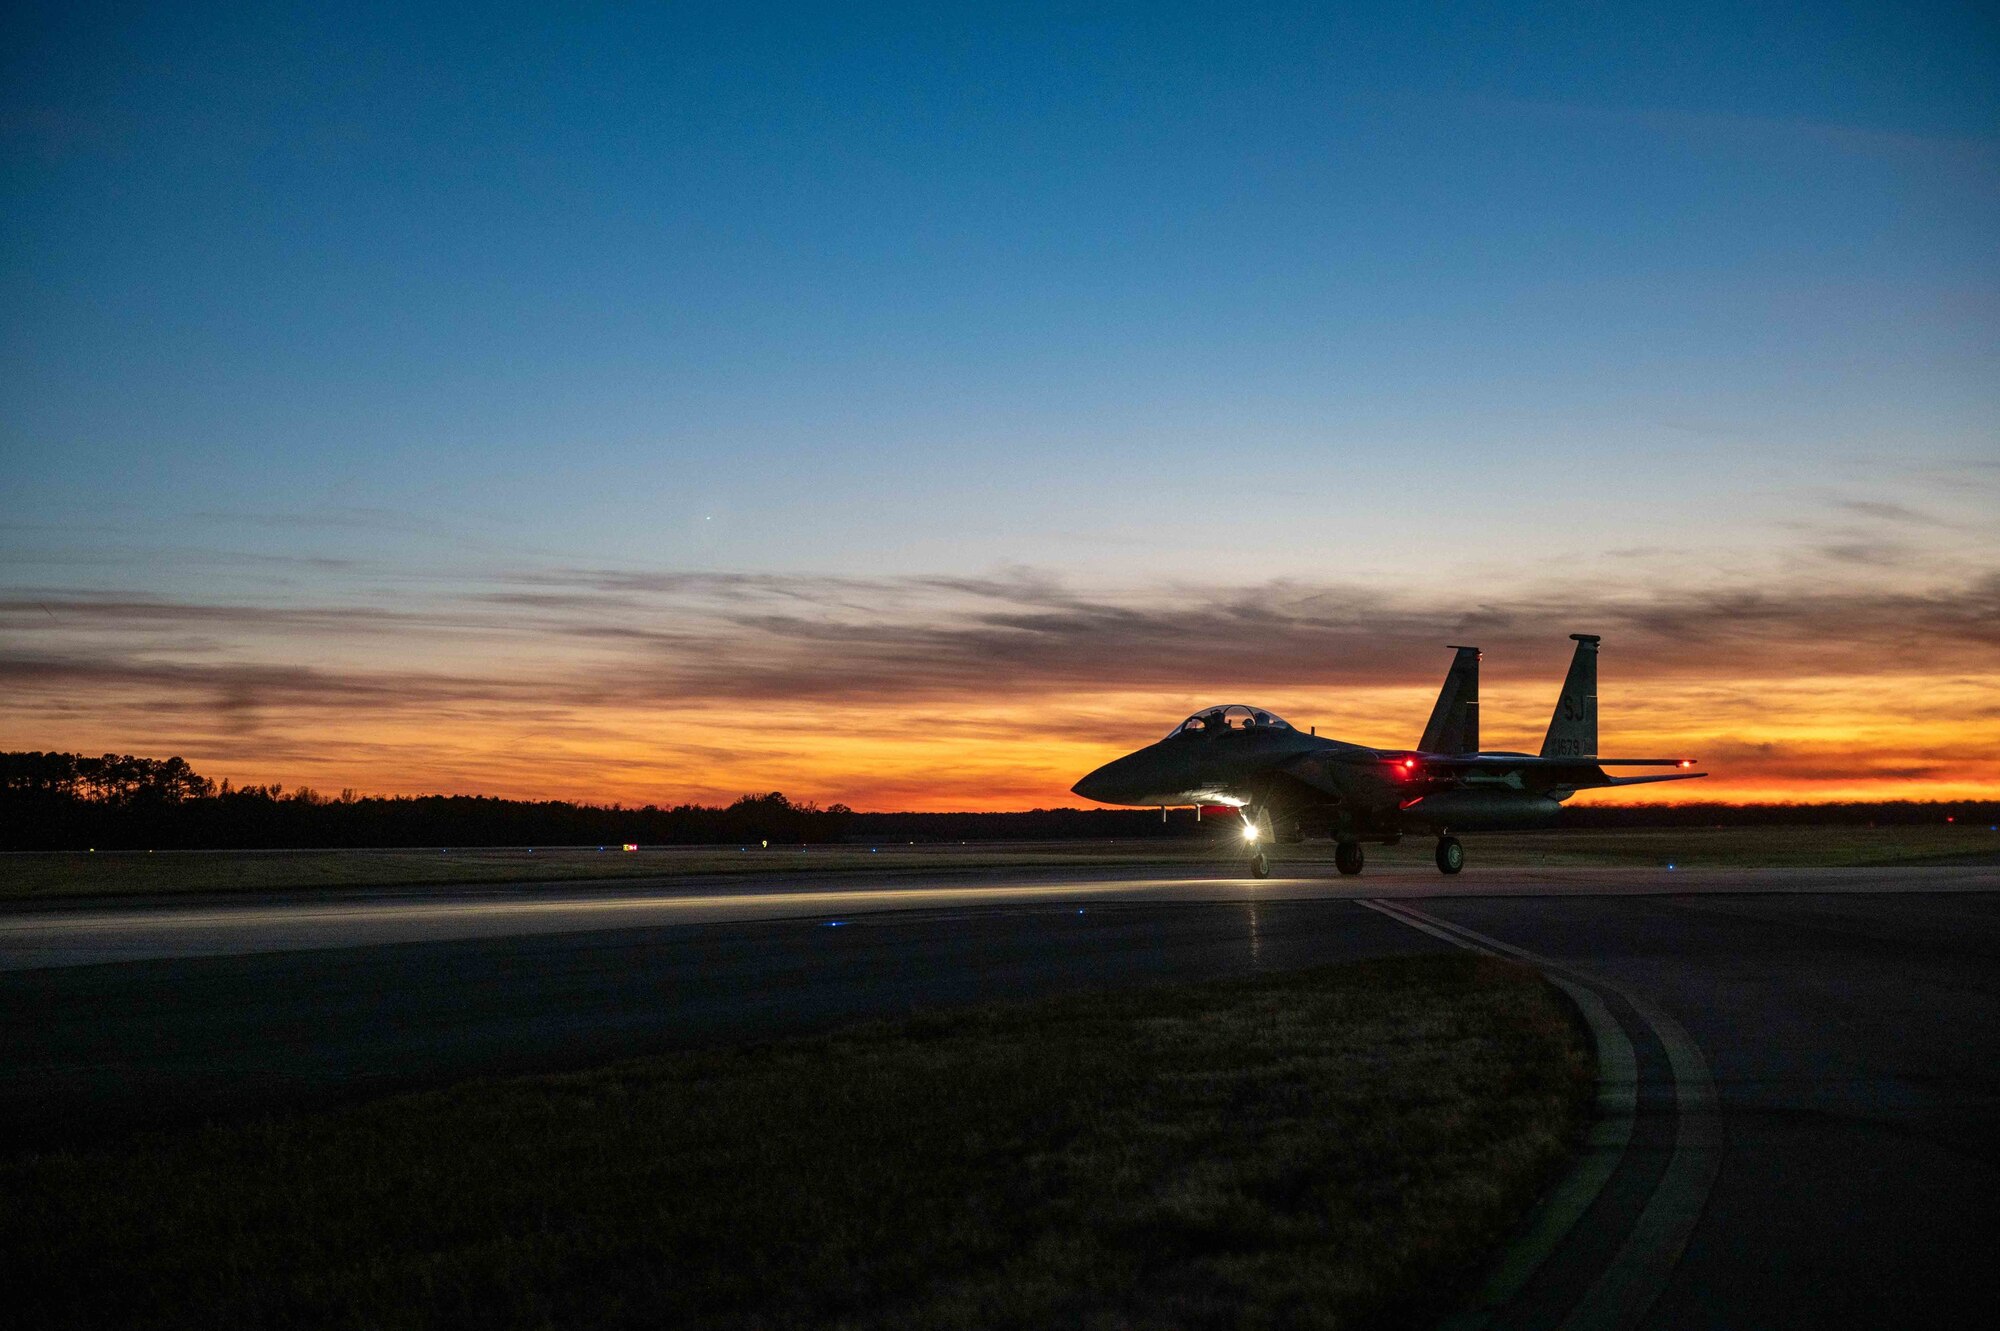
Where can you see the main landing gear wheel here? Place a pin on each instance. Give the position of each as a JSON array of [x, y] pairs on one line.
[[1451, 855], [1260, 867], [1347, 857]]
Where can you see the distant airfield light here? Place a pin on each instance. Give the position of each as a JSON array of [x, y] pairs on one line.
[[631, 846]]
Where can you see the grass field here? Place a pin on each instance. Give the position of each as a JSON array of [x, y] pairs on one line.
[[140, 873], [1338, 1147], [1715, 847]]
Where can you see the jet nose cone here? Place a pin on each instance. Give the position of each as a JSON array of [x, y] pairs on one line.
[[1093, 787], [1127, 780]]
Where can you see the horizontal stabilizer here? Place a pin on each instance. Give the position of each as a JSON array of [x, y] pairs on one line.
[[1643, 762], [1649, 780]]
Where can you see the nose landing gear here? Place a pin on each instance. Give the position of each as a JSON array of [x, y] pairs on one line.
[[1450, 855], [1347, 857], [1260, 867]]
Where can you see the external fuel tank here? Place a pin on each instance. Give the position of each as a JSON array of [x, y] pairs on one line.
[[1479, 811]]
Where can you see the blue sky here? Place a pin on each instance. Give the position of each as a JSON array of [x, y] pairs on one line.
[[365, 305]]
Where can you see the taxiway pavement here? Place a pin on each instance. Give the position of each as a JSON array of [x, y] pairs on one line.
[[82, 933]]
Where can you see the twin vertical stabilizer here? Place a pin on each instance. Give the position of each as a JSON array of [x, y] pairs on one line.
[[1454, 724], [1573, 729]]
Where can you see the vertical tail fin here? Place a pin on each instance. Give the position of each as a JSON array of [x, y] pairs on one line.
[[1454, 724], [1573, 729]]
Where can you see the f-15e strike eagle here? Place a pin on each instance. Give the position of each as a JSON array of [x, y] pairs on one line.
[[1287, 785]]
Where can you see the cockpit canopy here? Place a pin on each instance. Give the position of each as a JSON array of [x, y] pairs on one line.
[[1236, 716]]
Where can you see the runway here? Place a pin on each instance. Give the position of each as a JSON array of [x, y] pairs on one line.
[[84, 934], [1845, 1025]]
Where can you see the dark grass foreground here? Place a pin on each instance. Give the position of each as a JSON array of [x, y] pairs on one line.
[[1339, 1147]]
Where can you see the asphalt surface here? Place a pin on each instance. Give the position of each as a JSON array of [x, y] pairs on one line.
[[82, 931], [1814, 1118], [1853, 1043]]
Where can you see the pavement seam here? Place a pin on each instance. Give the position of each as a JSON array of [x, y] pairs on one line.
[[1635, 1278]]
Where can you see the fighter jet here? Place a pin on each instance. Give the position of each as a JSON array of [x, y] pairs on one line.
[[1286, 785]]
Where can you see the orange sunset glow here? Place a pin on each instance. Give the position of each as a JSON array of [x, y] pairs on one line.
[[988, 694]]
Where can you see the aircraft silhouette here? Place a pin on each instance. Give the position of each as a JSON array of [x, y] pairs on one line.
[[1286, 785]]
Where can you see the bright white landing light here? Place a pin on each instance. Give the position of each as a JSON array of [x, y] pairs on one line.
[[1249, 831]]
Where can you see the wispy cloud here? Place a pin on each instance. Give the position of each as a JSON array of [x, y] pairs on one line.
[[766, 636], [1884, 511], [1876, 554], [850, 683]]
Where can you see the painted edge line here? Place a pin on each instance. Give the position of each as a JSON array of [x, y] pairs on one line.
[[1626, 1290], [1603, 1151], [1638, 1275], [1558, 1213]]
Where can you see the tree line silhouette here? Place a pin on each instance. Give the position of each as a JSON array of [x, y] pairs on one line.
[[67, 801]]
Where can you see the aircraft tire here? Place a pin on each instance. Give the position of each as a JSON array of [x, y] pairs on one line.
[[1347, 857], [1450, 855], [1261, 866]]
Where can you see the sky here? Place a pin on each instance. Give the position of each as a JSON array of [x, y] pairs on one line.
[[916, 408]]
